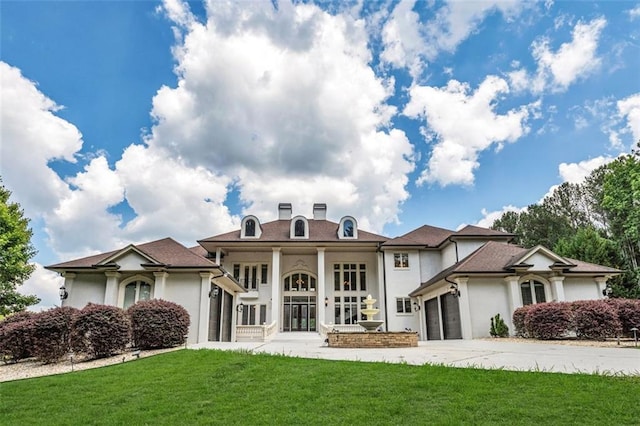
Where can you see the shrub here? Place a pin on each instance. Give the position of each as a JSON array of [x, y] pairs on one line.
[[51, 333], [548, 320], [595, 319], [100, 330], [158, 324], [628, 314], [16, 336], [498, 327], [518, 321]]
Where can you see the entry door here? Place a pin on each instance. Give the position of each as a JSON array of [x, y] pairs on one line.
[[451, 325], [432, 318]]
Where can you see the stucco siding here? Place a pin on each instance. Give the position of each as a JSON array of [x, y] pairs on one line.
[[87, 288], [430, 264], [131, 262], [184, 289], [581, 289], [488, 297]]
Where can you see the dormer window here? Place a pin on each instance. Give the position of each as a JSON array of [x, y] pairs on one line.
[[348, 228], [250, 227], [299, 228]]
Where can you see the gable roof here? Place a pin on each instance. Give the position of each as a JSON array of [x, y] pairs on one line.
[[279, 231], [501, 258], [165, 252], [431, 236]]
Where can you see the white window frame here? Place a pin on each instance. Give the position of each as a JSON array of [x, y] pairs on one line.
[[292, 228], [406, 306], [243, 228], [399, 260], [534, 299], [135, 279], [341, 235], [249, 281]]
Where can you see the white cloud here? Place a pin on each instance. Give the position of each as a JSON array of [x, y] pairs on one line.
[[629, 108], [45, 285], [573, 60], [32, 135], [488, 217], [408, 41], [634, 13], [277, 100], [577, 172], [463, 124]]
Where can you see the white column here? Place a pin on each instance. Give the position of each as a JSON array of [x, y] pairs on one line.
[[382, 295], [557, 288], [602, 285], [322, 309], [275, 286], [218, 256], [69, 277], [422, 324], [203, 322], [161, 281], [465, 308], [515, 302], [111, 289]]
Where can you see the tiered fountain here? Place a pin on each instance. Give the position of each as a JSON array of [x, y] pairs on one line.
[[370, 324]]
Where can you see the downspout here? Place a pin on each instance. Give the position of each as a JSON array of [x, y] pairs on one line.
[[456, 244]]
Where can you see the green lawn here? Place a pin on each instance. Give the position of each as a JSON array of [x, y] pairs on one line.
[[213, 387]]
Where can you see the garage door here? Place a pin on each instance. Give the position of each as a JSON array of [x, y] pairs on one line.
[[433, 319], [450, 317]]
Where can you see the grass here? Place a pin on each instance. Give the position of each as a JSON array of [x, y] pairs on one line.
[[215, 387]]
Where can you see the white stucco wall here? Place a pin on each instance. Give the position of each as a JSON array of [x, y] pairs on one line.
[[184, 289], [448, 256], [584, 288], [401, 282], [488, 297], [466, 247], [130, 261], [430, 265], [86, 288]]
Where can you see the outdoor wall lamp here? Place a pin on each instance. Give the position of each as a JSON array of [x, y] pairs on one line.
[[454, 290], [63, 293], [240, 307], [606, 292], [326, 301], [214, 292], [416, 306]]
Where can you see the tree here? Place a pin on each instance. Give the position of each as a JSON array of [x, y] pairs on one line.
[[15, 252]]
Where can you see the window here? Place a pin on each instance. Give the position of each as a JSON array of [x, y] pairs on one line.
[[253, 315], [403, 305], [349, 277], [299, 282], [136, 291], [348, 228], [401, 260], [532, 292], [250, 228], [299, 228], [247, 274]]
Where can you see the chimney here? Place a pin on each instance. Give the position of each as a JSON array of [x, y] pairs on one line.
[[320, 211], [284, 211]]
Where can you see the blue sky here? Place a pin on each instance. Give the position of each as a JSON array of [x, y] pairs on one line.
[[128, 121]]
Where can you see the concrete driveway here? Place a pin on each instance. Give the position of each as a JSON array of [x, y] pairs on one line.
[[488, 354]]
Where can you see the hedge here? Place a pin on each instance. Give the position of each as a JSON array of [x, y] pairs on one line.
[[16, 336], [548, 320], [595, 320], [628, 313], [158, 324], [51, 333], [100, 330]]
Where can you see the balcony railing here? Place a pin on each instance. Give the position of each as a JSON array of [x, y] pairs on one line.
[[257, 333]]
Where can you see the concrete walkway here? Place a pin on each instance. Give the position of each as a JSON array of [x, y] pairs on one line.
[[488, 354]]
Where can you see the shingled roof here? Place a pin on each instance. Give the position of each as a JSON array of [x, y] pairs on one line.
[[279, 231], [431, 236], [498, 257], [166, 252]]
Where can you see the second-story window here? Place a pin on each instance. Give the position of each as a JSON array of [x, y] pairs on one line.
[[401, 260], [250, 228], [348, 228], [299, 228]]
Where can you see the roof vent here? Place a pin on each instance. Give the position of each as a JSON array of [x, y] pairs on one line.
[[284, 211], [320, 211]]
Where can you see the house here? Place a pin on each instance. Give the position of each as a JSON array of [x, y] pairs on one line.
[[298, 274]]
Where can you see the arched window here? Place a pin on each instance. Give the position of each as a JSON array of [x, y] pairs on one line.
[[136, 291], [299, 228], [532, 291], [250, 228], [348, 228]]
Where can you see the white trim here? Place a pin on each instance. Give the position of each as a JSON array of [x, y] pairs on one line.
[[292, 228], [243, 228], [138, 277], [341, 235]]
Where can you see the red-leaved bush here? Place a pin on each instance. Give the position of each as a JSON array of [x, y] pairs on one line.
[[628, 313], [519, 316], [595, 319], [158, 324], [16, 336], [548, 320], [100, 330], [51, 333]]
